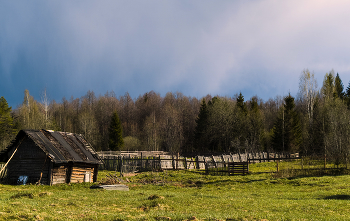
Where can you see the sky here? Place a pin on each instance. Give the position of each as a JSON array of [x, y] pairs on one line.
[[195, 47]]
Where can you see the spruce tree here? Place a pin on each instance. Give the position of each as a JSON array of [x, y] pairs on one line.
[[348, 91], [347, 96], [327, 89], [115, 133], [338, 87], [287, 129], [201, 127], [7, 125], [255, 124], [241, 104], [241, 127]]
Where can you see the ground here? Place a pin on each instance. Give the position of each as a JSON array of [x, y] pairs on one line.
[[185, 195]]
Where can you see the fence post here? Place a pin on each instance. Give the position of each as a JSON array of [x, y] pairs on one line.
[[325, 161], [160, 163], [147, 164], [177, 161], [206, 166], [212, 157], [114, 166], [247, 167], [141, 163], [223, 160], [277, 165], [302, 163], [121, 165], [172, 157]]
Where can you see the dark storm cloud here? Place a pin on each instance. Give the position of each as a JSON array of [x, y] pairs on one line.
[[195, 47]]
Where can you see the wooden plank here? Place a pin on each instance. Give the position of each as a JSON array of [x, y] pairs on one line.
[[120, 187]]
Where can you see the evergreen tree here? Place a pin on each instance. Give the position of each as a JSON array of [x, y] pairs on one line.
[[220, 125], [115, 133], [241, 104], [348, 91], [255, 126], [287, 130], [6, 120], [241, 124], [7, 125], [328, 85], [347, 96], [201, 127], [338, 87], [213, 101]]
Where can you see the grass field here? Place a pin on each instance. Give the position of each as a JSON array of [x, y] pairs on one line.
[[185, 195]]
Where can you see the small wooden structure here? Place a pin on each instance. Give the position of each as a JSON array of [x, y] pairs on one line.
[[48, 157], [238, 168]]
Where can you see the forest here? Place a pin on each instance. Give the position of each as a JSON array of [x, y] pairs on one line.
[[314, 122]]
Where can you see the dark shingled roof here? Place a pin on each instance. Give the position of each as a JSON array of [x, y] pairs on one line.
[[61, 147]]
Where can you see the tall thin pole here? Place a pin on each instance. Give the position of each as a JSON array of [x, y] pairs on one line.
[[283, 128]]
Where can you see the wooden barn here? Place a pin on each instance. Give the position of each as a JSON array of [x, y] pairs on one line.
[[49, 157]]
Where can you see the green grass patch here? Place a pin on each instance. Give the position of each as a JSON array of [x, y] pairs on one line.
[[186, 195]]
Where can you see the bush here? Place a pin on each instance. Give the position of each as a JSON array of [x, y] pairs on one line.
[[131, 143]]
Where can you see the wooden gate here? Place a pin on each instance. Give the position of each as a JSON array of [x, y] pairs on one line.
[[238, 168]]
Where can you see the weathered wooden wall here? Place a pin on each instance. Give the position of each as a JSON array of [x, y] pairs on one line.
[[79, 174], [29, 160], [59, 174]]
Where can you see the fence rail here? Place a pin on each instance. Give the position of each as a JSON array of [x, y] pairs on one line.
[[133, 162], [238, 168]]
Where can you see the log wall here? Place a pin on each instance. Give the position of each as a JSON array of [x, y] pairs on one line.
[[59, 174], [29, 160], [82, 174]]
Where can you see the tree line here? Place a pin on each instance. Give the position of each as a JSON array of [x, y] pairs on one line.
[[315, 121]]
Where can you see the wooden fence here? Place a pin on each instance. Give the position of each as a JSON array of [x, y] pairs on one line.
[[141, 154], [132, 162], [238, 168], [165, 162]]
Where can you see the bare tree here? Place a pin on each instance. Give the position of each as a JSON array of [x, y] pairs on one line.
[[337, 143], [45, 103], [308, 92]]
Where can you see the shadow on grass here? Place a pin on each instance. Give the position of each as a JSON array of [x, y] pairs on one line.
[[338, 197], [301, 173], [224, 182]]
